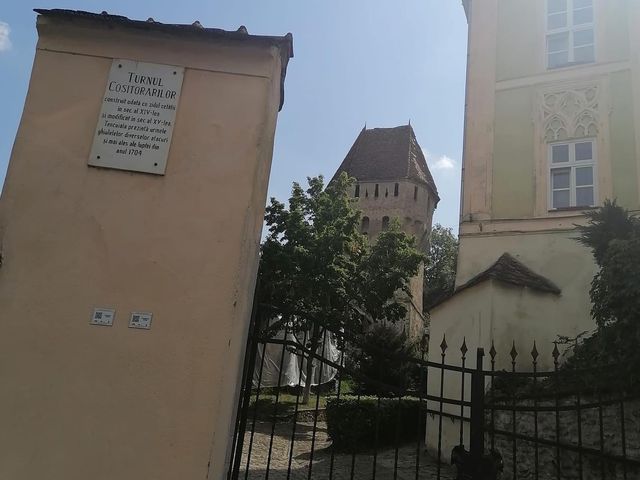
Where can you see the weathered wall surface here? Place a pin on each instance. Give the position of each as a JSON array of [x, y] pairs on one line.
[[486, 314], [570, 461], [80, 401]]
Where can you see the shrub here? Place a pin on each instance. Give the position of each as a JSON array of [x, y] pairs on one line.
[[383, 359], [356, 425]]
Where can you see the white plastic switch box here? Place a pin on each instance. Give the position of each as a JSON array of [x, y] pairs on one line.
[[140, 320], [103, 316]]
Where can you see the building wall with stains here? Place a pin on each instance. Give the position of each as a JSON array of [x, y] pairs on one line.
[[82, 401]]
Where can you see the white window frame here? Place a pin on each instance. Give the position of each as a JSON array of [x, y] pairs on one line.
[[569, 29], [572, 164]]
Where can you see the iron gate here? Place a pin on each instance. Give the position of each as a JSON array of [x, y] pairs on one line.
[[511, 423]]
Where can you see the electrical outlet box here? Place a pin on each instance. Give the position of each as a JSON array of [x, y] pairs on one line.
[[103, 316], [140, 320]]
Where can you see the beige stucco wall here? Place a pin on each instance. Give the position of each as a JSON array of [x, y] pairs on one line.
[[491, 312], [624, 163], [504, 314], [86, 402], [555, 255], [513, 158]]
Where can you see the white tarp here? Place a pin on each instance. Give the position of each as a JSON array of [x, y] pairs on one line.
[[293, 365]]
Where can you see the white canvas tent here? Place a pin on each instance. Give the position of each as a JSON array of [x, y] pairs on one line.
[[293, 364]]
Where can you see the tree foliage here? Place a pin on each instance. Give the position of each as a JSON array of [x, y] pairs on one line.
[[316, 266], [319, 274], [440, 266], [613, 235]]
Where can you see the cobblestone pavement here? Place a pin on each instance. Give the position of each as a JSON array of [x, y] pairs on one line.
[[343, 464]]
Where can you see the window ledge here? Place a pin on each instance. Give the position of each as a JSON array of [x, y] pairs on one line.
[[569, 66], [571, 209]]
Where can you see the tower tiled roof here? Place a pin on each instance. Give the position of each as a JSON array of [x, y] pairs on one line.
[[387, 154]]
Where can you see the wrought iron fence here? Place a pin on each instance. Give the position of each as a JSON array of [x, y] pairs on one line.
[[454, 421]]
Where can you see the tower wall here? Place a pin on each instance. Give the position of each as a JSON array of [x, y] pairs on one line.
[[413, 206]]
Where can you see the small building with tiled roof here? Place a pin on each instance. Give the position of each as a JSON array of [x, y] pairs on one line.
[[393, 182]]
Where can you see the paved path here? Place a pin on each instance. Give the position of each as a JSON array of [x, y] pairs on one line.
[[343, 465]]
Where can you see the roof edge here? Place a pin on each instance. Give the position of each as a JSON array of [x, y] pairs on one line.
[[536, 282], [195, 30]]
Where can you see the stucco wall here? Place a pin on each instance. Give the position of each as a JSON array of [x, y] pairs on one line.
[[519, 27], [521, 34], [506, 315], [505, 158], [513, 160], [555, 255], [623, 145], [80, 401]]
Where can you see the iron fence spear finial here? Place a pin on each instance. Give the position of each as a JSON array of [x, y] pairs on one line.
[[534, 352], [492, 352], [555, 353], [443, 345], [514, 352]]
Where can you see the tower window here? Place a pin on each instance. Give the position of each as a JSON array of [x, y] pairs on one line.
[[385, 223], [415, 193], [365, 225], [375, 194], [357, 194], [396, 189]]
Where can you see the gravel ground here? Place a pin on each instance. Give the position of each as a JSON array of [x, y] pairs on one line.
[[344, 466]]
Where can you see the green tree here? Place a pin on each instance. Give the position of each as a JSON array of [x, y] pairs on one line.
[[318, 274], [440, 266], [613, 235]]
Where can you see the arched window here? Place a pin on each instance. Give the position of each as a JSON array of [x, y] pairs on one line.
[[365, 225], [396, 189], [386, 192], [376, 191], [385, 223], [415, 193], [357, 194]]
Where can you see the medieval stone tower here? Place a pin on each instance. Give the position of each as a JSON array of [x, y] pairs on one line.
[[393, 181]]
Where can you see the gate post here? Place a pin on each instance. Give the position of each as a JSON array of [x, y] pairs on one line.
[[477, 411]]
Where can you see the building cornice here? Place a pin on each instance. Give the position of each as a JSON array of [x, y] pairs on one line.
[[574, 73]]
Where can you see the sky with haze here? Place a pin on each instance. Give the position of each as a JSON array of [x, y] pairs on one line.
[[379, 62]]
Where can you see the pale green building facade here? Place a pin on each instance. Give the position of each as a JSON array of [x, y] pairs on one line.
[[551, 130]]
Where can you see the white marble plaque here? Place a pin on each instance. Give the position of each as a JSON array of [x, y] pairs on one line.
[[137, 117]]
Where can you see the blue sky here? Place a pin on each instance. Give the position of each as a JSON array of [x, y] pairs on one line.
[[383, 62]]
